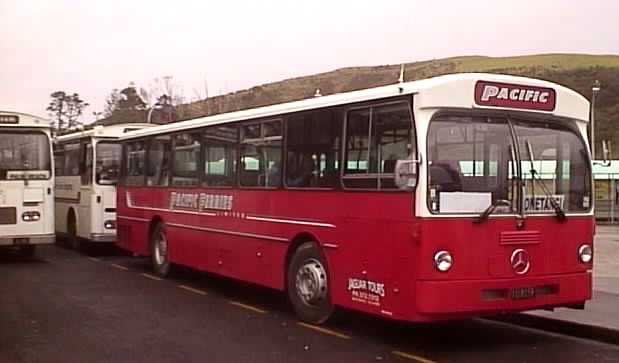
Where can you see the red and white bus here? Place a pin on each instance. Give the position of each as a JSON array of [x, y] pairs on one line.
[[455, 196]]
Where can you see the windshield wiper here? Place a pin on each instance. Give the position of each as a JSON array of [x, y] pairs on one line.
[[488, 211], [534, 175]]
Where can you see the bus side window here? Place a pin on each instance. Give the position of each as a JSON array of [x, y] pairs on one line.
[[376, 138], [220, 155], [159, 161], [134, 163], [312, 149], [86, 163], [59, 160], [186, 159], [261, 154], [72, 159]]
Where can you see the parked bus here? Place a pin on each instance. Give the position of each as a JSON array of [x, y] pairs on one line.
[[26, 182], [87, 169], [418, 201]]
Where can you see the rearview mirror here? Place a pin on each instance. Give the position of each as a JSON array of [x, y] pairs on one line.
[[406, 174]]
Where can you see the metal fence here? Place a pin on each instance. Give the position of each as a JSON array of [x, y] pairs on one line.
[[606, 197]]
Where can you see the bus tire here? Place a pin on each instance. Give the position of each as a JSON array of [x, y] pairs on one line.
[[27, 251], [72, 239], [159, 250], [307, 284]]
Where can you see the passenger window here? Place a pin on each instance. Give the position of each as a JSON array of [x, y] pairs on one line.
[[186, 159], [261, 154], [376, 137], [87, 155], [59, 160], [72, 159], [313, 149], [220, 155], [135, 163], [159, 161]]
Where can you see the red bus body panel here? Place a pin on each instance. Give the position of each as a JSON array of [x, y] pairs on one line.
[[379, 255]]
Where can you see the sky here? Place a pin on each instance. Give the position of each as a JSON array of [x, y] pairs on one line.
[[93, 47]]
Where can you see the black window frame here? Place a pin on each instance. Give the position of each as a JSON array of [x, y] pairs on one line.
[[409, 101], [199, 172], [149, 143], [280, 138], [338, 114], [237, 167]]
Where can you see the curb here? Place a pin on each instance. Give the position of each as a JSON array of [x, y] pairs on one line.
[[579, 330]]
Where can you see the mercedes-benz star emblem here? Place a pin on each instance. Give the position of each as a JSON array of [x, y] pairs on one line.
[[520, 261]]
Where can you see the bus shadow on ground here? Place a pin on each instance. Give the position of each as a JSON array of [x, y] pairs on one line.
[[471, 335]]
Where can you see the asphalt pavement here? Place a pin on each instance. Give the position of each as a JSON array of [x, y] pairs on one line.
[[65, 306]]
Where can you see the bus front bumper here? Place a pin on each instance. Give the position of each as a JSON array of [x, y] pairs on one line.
[[35, 239], [446, 299], [103, 237]]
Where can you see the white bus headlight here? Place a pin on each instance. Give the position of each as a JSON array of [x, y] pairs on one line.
[[443, 261], [585, 253], [111, 224], [31, 216]]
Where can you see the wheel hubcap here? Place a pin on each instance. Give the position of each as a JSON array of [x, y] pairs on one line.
[[161, 249], [311, 282]]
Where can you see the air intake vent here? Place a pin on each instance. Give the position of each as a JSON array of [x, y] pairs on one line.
[[520, 238]]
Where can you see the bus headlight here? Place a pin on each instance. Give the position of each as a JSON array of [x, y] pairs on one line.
[[585, 253], [443, 261], [111, 224], [31, 216]]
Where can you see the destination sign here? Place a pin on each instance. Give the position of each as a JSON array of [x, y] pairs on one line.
[[9, 119], [542, 203], [515, 96]]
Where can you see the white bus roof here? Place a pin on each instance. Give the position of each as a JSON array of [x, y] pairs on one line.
[[104, 132], [449, 91], [20, 119]]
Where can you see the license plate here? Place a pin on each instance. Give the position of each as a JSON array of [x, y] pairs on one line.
[[21, 241], [520, 293]]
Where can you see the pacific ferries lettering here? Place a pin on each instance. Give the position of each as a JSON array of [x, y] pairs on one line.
[[200, 201]]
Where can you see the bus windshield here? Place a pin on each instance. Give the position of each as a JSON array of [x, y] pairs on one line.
[[24, 155], [476, 161], [108, 163]]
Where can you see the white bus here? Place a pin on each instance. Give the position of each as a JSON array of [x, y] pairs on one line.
[[26, 182], [87, 167]]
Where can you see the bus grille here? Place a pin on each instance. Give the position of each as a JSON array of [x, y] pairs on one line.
[[8, 215], [521, 238]]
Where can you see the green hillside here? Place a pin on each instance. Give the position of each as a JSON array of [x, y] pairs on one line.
[[577, 71]]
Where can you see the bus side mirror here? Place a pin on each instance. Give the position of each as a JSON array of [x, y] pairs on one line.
[[406, 174]]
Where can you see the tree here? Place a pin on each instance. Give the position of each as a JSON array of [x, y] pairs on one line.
[[126, 99], [131, 100], [164, 86], [65, 110], [111, 103]]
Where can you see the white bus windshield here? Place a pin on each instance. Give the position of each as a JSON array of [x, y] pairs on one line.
[[472, 163], [108, 163], [24, 155]]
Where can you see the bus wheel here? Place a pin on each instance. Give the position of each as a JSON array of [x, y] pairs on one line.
[[72, 238], [307, 284], [159, 249], [27, 250]]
